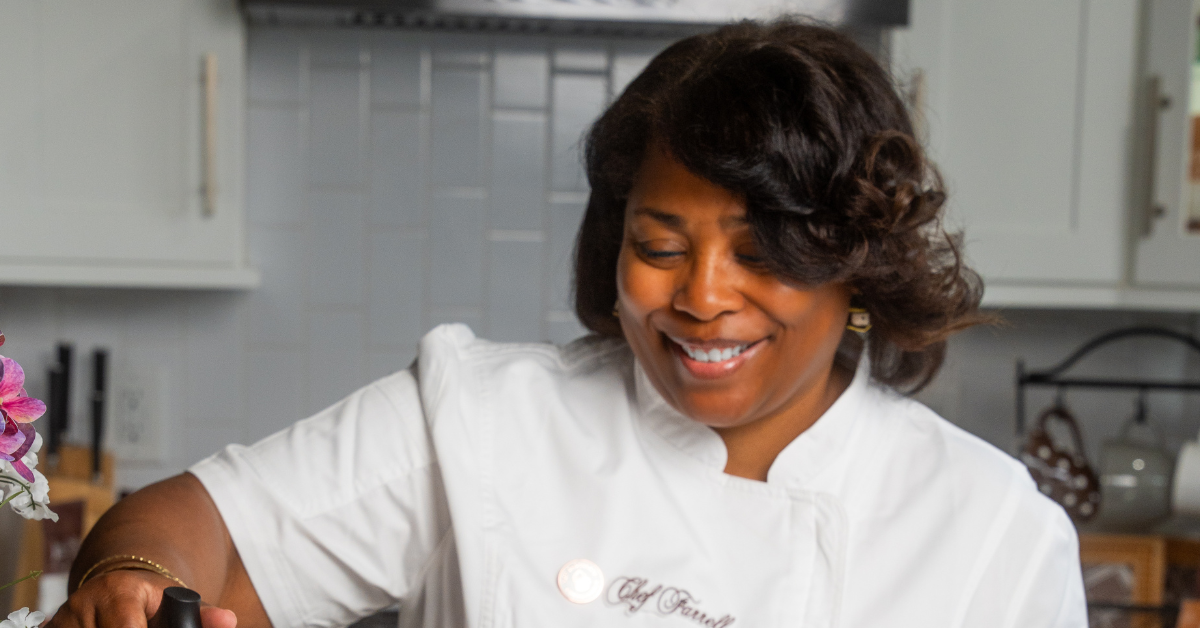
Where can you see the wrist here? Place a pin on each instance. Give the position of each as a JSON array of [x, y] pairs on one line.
[[127, 562]]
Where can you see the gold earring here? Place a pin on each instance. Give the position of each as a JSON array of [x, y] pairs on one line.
[[615, 312], [860, 320]]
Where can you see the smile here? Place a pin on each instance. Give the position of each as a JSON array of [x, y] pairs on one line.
[[699, 354], [715, 358]]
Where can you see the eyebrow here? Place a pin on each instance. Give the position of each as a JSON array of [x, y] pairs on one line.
[[675, 222], [670, 220]]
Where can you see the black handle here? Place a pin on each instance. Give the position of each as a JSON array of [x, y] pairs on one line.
[[99, 397], [66, 354], [56, 409], [180, 608]]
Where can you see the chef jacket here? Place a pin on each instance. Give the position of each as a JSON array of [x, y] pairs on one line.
[[526, 485]]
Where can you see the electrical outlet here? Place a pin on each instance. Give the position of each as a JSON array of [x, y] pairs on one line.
[[136, 430]]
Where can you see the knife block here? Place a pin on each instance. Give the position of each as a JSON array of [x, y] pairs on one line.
[[75, 462]]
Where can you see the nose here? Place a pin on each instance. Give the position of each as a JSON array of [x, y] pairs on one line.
[[708, 287]]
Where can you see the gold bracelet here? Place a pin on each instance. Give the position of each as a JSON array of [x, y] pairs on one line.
[[146, 564]]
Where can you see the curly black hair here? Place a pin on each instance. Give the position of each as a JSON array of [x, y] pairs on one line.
[[807, 128]]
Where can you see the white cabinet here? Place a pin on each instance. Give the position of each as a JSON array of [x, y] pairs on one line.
[[1030, 111], [1168, 252], [112, 133]]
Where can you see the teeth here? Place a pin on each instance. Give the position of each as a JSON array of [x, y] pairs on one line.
[[712, 355]]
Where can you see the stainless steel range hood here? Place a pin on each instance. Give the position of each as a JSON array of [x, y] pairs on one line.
[[635, 17]]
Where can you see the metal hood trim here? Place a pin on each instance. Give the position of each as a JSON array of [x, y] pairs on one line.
[[599, 17]]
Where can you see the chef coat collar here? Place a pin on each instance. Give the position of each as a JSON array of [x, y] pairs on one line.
[[799, 463]]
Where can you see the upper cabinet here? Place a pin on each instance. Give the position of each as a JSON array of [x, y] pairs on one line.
[[1038, 116], [1167, 218], [122, 143]]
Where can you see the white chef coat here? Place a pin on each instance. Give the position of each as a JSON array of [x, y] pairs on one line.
[[459, 488]]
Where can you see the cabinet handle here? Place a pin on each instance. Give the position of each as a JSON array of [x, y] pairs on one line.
[[209, 157], [1156, 101]]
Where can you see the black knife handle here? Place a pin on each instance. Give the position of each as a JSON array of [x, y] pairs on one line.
[[180, 608], [99, 400], [66, 355]]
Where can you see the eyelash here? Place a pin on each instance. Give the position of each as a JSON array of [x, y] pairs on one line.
[[652, 254], [749, 260]]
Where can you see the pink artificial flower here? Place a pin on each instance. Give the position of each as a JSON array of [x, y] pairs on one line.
[[14, 403], [15, 441]]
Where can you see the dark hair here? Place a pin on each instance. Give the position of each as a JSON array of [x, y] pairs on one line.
[[807, 128]]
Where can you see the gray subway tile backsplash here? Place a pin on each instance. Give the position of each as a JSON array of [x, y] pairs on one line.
[[276, 313], [581, 56], [273, 67], [458, 133], [458, 222], [521, 73], [336, 126], [275, 195], [578, 101], [398, 169], [515, 285], [396, 68], [518, 189], [337, 248], [396, 290]]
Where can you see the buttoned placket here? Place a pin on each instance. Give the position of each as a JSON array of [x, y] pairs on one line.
[[818, 449]]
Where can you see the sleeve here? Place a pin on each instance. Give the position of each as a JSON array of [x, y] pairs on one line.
[[339, 515], [1034, 578]]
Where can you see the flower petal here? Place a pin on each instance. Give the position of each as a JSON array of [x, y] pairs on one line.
[[13, 381], [11, 439], [20, 468], [30, 435], [24, 409]]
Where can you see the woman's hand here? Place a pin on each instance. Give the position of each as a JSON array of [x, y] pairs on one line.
[[174, 526], [126, 598]]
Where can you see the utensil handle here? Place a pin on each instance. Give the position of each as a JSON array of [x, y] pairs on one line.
[[99, 399], [209, 156], [1151, 209], [180, 608]]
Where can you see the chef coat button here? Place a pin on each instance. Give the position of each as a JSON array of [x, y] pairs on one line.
[[580, 581]]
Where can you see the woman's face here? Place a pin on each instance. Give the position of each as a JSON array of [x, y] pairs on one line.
[[722, 339]]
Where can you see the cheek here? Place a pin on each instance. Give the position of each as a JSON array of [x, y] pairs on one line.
[[641, 288], [815, 319]]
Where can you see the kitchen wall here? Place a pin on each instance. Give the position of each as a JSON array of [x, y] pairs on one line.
[[399, 180]]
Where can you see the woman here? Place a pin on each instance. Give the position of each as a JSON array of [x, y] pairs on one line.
[[722, 451]]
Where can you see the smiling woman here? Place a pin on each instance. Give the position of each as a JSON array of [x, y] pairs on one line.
[[726, 450], [806, 131], [744, 188], [724, 340]]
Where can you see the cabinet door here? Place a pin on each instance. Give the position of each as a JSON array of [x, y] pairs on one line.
[[101, 133], [1167, 222], [1028, 111]]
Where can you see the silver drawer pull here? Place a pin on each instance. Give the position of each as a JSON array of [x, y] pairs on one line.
[[209, 185]]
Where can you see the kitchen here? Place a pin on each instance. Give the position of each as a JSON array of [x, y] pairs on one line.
[[398, 179]]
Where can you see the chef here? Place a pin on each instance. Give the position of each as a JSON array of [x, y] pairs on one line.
[[763, 267]]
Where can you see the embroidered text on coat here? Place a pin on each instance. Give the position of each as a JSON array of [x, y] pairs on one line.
[[634, 594]]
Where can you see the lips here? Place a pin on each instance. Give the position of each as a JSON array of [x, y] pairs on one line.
[[712, 359]]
